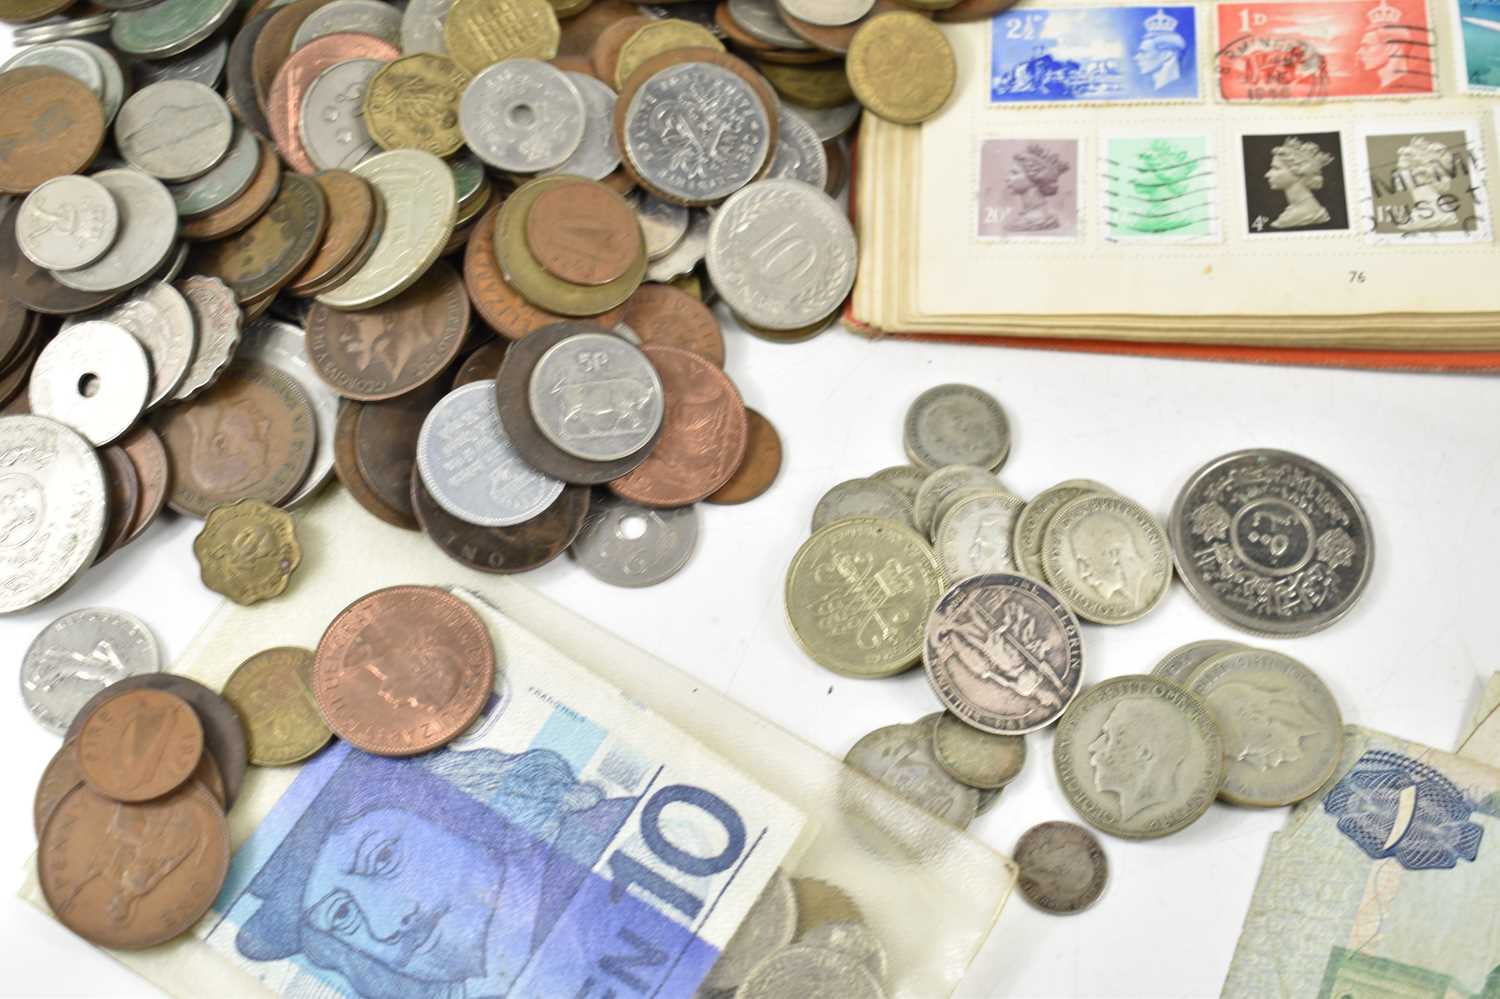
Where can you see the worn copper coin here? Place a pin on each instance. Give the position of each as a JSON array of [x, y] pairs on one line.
[[51, 125], [481, 365], [34, 287], [245, 209], [584, 233], [274, 44], [275, 247], [1063, 867], [140, 745], [503, 549], [385, 444], [361, 256], [703, 439], [122, 491], [663, 315], [758, 470], [604, 54], [351, 218], [272, 691], [250, 436], [581, 31], [393, 348], [61, 776], [130, 876], [346, 467], [302, 67], [403, 670]]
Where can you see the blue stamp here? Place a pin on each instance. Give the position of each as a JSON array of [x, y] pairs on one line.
[[1479, 24], [1071, 54], [1390, 805]]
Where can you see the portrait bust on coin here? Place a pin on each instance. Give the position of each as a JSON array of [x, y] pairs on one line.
[[1136, 756]]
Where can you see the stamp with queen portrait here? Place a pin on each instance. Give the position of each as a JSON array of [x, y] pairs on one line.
[[1028, 189], [1159, 188]]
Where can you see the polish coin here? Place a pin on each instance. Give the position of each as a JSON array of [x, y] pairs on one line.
[[810, 971], [217, 320], [799, 152], [852, 938], [974, 535], [862, 498], [1003, 653], [1271, 542], [94, 378], [626, 544], [663, 223], [900, 758], [160, 320], [364, 17], [956, 425], [1181, 663], [67, 222], [1108, 558], [598, 154], [979, 759], [225, 182], [272, 691], [1283, 732], [943, 484], [78, 655], [283, 346], [1139, 757], [782, 254], [1063, 868], [906, 478], [522, 115], [174, 130], [145, 240], [1031, 525], [767, 927], [596, 397]]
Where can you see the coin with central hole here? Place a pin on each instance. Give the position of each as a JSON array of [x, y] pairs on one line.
[[93, 377], [522, 115], [584, 233], [626, 544]]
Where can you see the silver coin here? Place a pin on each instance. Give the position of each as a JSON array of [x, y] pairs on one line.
[[942, 484], [625, 544], [688, 252], [1181, 663], [979, 759], [1003, 653], [1032, 523], [169, 28], [1107, 557], [763, 21], [987, 799], [799, 152], [62, 57], [782, 254], [92, 377], [800, 972], [906, 478], [364, 17], [696, 132], [112, 92], [174, 130], [862, 498], [1063, 868], [596, 397], [204, 64], [333, 115], [57, 29], [829, 123], [828, 13], [956, 425], [217, 320], [468, 175], [223, 183], [662, 223], [1271, 542], [953, 499], [522, 115], [52, 509], [66, 223], [172, 266], [900, 758], [468, 464], [159, 318], [283, 346], [974, 536], [855, 939], [79, 655], [767, 927], [597, 155], [422, 27], [146, 235]]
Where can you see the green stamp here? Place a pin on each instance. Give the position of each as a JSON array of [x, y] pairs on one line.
[[1160, 188]]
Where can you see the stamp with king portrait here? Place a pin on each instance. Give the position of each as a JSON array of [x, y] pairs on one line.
[[1067, 55], [1159, 188], [1028, 189]]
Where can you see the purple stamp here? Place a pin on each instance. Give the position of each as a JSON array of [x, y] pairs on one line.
[[1028, 189]]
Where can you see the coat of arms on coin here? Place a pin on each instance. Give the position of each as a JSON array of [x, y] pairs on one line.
[[247, 551]]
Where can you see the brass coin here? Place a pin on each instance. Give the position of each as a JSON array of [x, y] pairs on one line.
[[655, 38], [822, 85], [412, 103], [247, 551], [758, 469], [480, 33], [901, 67], [584, 233], [52, 126], [272, 691], [245, 209], [275, 247], [351, 217], [26, 11]]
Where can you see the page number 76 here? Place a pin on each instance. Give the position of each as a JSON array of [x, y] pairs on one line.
[[1357, 277]]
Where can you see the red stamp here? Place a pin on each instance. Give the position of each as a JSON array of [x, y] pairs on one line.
[[1317, 49]]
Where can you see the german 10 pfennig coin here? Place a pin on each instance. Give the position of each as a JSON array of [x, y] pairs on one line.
[[956, 425], [1063, 867], [1108, 558]]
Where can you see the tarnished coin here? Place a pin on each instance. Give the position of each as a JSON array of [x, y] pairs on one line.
[[53, 126], [480, 33], [1063, 867], [272, 691], [1271, 542], [61, 776], [625, 544], [907, 479], [862, 498], [901, 67], [365, 17], [820, 84], [1181, 663], [758, 470], [956, 425], [1107, 557], [900, 757], [855, 939], [247, 551], [598, 154], [333, 128], [168, 28], [662, 314], [140, 745], [522, 115], [1031, 525], [78, 655], [943, 484], [762, 19], [346, 467], [67, 222], [275, 247], [122, 490], [1003, 653], [767, 927], [383, 445], [403, 670], [225, 182], [482, 364], [799, 153], [234, 216], [216, 323], [584, 233], [973, 536], [412, 103], [174, 130], [858, 594], [1282, 729], [353, 214], [1139, 757], [147, 234], [663, 223], [596, 397], [282, 346], [519, 548], [92, 377], [974, 757], [689, 252], [202, 63], [146, 453]]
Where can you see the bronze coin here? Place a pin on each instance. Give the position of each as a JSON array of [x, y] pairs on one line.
[[274, 248], [351, 216], [838, 167], [346, 467], [393, 348], [149, 457], [758, 470], [239, 76], [735, 32], [505, 550], [605, 52], [61, 776], [974, 10], [481, 365], [122, 489], [662, 314], [26, 11], [17, 327], [703, 439], [243, 210], [140, 745], [130, 876], [249, 436], [34, 287], [302, 67], [581, 31], [11, 397], [385, 444], [271, 49], [584, 233], [50, 126], [403, 670], [361, 254], [575, 64], [512, 392]]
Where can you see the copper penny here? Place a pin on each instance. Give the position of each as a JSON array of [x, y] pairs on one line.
[[662, 314], [284, 102], [758, 470], [584, 233], [275, 44], [243, 210], [581, 31], [34, 287], [130, 876], [396, 347], [574, 64], [207, 776], [361, 254], [351, 215], [346, 467], [140, 745], [385, 444], [122, 489], [503, 549], [61, 776], [149, 457], [250, 436], [481, 365], [403, 670], [275, 247], [703, 438], [605, 52], [50, 126]]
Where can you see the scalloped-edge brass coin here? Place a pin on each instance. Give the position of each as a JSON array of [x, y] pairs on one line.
[[412, 103], [247, 551], [901, 67], [272, 692], [656, 37]]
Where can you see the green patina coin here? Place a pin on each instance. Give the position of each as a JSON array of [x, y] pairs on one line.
[[168, 28]]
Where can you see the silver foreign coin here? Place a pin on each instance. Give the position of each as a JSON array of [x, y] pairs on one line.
[[830, 123], [944, 483], [59, 29], [363, 17], [596, 397], [799, 152], [217, 321], [66, 223], [468, 175], [146, 236], [470, 467], [522, 115], [906, 478], [763, 21], [828, 13], [1003, 653], [52, 509], [422, 27], [172, 266], [223, 183], [1031, 525], [862, 498], [169, 28], [93, 377], [597, 155], [767, 927], [852, 938], [1063, 869], [174, 130], [979, 759], [668, 113], [204, 64], [782, 254], [1271, 542], [1107, 557], [974, 537], [1181, 663], [953, 499], [159, 318], [78, 655], [626, 544], [62, 57], [112, 93], [801, 971], [283, 346], [333, 115], [688, 252], [662, 223], [900, 758], [956, 425]]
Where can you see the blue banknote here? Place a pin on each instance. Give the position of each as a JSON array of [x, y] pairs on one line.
[[1069, 54]]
